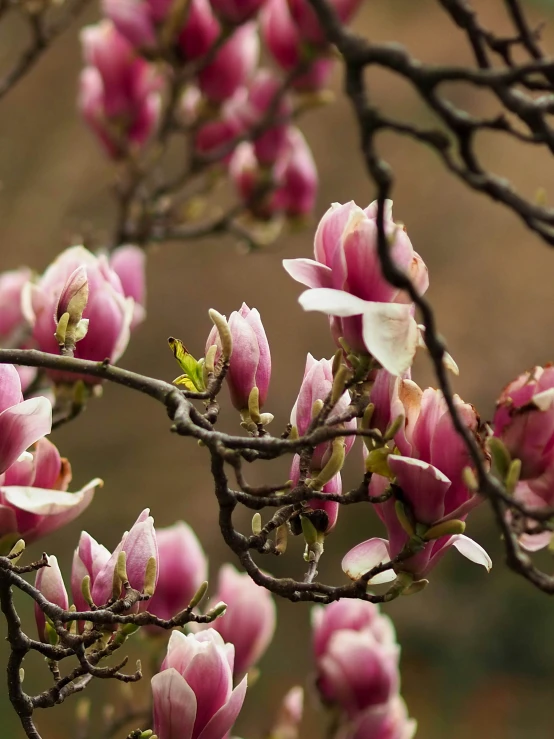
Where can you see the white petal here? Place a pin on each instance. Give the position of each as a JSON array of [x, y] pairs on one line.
[[544, 400], [391, 335], [333, 302], [364, 557], [472, 550]]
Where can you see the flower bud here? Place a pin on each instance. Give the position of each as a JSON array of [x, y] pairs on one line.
[[357, 671], [250, 363], [119, 94], [297, 193], [387, 721], [249, 620], [200, 31], [307, 21], [182, 568], [49, 581], [194, 688], [282, 37], [70, 326], [236, 11], [89, 559], [139, 547], [233, 65]]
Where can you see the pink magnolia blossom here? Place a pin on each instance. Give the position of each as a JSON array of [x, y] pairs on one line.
[[249, 620], [33, 494], [140, 546], [200, 31], [282, 37], [22, 422], [236, 11], [263, 94], [108, 311], [233, 65], [119, 94], [250, 363], [524, 421], [49, 581], [308, 24], [294, 178], [221, 131], [89, 558], [183, 567], [297, 192], [129, 262], [12, 320], [357, 671], [316, 385], [138, 20], [347, 284], [193, 693], [350, 614], [429, 471], [387, 721]]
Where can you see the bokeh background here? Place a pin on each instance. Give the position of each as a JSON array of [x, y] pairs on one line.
[[478, 650]]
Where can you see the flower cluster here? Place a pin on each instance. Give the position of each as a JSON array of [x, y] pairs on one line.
[[236, 111], [356, 658]]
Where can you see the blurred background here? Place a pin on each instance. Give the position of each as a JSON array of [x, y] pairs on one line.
[[478, 649]]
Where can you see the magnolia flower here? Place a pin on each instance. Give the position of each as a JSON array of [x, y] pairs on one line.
[[347, 284], [33, 494]]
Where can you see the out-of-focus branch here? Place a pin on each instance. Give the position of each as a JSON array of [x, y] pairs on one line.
[[43, 34]]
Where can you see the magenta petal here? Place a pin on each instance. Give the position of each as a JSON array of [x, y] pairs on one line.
[[22, 425], [174, 705], [423, 485], [224, 719], [8, 521]]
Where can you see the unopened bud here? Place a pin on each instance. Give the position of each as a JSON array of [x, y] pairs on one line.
[[333, 466], [150, 577], [403, 518], [256, 524], [416, 587], [394, 428], [500, 456], [512, 478], [16, 551], [198, 596], [224, 331], [317, 408], [446, 528], [339, 382], [470, 479], [86, 590], [216, 611], [281, 538]]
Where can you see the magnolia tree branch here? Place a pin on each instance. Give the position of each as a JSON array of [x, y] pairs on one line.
[[43, 34], [456, 148]]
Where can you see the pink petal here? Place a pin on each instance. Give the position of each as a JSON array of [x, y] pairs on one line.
[[209, 676], [174, 705], [424, 486], [364, 557], [224, 719], [10, 387], [308, 272], [48, 464], [22, 425]]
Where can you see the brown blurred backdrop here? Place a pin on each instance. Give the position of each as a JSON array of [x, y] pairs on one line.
[[478, 650]]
